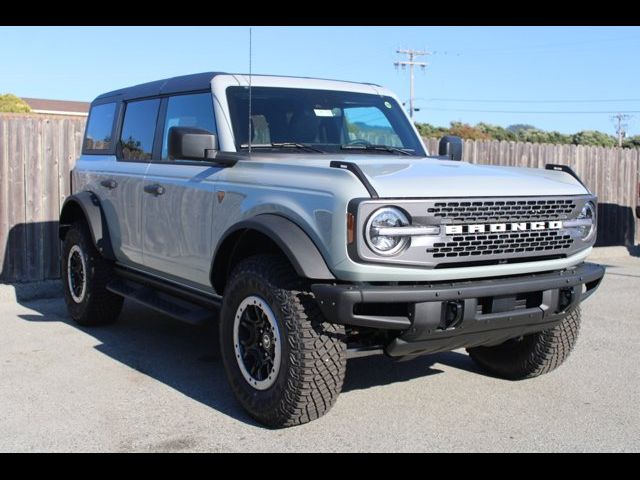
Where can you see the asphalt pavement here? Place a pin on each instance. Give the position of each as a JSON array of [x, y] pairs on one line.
[[149, 383]]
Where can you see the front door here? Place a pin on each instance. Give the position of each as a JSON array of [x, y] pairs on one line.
[[179, 200]]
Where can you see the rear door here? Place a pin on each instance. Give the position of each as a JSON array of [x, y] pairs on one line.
[[179, 198], [121, 188], [118, 163]]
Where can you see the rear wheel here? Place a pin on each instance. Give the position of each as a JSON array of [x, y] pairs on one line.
[[284, 361], [85, 273], [530, 355]]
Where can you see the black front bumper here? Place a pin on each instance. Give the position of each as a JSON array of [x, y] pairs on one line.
[[444, 316]]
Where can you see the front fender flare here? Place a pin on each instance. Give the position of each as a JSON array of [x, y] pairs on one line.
[[303, 254]]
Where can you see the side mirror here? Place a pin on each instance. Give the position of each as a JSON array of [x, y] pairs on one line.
[[188, 143], [450, 147]]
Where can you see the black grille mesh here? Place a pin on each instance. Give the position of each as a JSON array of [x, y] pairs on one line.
[[501, 210], [502, 243]]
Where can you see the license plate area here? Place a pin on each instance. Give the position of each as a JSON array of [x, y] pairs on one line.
[[508, 303]]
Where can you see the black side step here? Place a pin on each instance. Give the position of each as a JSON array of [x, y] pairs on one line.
[[180, 304]]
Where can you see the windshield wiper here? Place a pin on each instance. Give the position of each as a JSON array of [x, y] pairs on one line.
[[380, 148], [300, 146]]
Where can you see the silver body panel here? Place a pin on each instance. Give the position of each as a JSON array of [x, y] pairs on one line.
[[175, 235], [178, 225], [121, 205]]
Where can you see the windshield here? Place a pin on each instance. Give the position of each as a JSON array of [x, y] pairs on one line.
[[320, 121]]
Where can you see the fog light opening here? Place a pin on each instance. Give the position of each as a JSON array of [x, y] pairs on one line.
[[565, 298], [452, 314]]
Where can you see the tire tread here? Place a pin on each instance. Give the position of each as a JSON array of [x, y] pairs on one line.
[[102, 306], [538, 354], [317, 353]]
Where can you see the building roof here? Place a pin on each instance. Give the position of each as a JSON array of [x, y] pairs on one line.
[[58, 107]]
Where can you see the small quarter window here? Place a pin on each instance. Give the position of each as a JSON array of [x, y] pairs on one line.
[[99, 127], [138, 128]]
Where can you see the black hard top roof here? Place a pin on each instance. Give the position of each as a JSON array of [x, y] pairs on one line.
[[183, 83]]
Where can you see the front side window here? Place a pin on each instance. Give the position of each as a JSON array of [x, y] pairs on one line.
[[99, 127], [188, 111], [138, 128], [323, 121]]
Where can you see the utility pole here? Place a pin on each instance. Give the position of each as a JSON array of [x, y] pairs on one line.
[[412, 54], [620, 121]]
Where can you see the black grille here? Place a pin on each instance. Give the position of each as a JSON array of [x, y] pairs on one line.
[[502, 210], [502, 243]]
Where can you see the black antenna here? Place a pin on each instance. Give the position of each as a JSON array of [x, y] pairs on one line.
[[250, 132]]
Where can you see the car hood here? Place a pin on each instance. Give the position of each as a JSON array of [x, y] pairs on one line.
[[428, 177], [395, 176]]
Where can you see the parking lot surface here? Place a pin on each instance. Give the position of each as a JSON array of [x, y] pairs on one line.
[[149, 383]]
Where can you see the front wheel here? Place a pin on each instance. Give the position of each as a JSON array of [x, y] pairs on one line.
[[530, 355], [285, 363]]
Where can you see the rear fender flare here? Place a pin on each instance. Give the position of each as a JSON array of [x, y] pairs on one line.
[[87, 205]]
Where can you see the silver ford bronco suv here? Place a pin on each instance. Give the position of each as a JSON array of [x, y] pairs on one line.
[[308, 219]]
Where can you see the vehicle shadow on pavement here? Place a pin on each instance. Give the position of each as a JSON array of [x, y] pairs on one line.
[[187, 359], [379, 370], [184, 357]]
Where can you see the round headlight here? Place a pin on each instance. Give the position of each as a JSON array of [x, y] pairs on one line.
[[588, 212], [383, 218]]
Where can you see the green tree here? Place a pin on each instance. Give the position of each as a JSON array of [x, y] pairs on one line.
[[524, 133], [519, 127], [496, 132], [557, 137], [595, 138], [430, 131], [11, 103], [466, 131], [632, 142]]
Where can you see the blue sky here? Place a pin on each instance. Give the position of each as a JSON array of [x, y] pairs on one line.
[[475, 74]]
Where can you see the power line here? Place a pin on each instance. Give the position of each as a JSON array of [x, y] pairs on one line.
[[412, 54], [516, 49], [478, 100], [599, 112]]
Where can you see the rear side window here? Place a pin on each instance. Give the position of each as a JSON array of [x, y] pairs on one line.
[[138, 128], [99, 127], [188, 111]]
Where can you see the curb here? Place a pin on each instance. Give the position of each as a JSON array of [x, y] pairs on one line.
[[22, 292]]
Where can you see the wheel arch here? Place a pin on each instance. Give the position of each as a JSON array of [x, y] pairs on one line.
[[267, 233], [85, 206]]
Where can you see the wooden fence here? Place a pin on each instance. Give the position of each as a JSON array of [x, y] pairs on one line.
[[37, 153], [611, 173]]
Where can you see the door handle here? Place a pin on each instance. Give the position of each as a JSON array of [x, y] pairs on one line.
[[110, 183], [154, 189]]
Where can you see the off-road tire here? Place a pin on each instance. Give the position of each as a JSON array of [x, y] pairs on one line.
[[313, 355], [533, 354], [98, 305]]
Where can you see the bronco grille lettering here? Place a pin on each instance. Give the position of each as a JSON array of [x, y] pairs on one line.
[[502, 227]]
